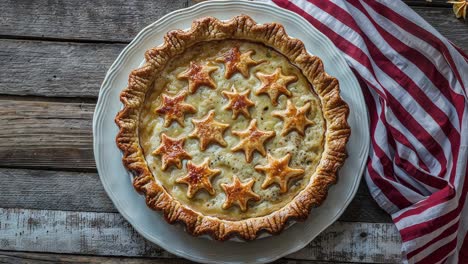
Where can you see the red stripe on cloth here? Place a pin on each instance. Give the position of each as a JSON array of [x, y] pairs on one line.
[[402, 139], [449, 131], [447, 232], [436, 198], [397, 135], [414, 56], [463, 256], [422, 177], [416, 30], [352, 50], [358, 55], [445, 194], [459, 50], [419, 221], [420, 61], [398, 75], [404, 81], [404, 117], [386, 161], [393, 194], [439, 254]]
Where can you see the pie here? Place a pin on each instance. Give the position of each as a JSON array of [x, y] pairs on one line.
[[232, 128]]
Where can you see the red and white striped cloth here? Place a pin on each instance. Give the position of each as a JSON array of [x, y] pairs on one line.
[[415, 85]]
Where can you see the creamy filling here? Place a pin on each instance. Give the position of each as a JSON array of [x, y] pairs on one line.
[[305, 150]]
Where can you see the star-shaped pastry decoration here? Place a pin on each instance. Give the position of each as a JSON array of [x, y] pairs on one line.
[[172, 152], [239, 193], [294, 118], [174, 108], [239, 103], [235, 61], [198, 177], [252, 139], [208, 130], [198, 75], [278, 171], [275, 84]]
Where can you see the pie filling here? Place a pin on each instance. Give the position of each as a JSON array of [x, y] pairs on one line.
[[231, 129]]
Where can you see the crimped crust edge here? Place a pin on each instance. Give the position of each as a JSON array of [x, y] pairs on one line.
[[242, 27]]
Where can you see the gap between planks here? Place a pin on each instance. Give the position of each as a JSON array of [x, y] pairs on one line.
[[108, 234], [120, 20], [34, 257], [70, 69], [78, 191], [57, 136]]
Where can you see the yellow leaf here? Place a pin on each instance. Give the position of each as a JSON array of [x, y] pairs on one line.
[[459, 8]]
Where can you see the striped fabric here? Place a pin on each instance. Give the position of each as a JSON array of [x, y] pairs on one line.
[[415, 85]]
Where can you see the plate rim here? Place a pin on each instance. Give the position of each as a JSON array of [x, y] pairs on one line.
[[107, 83]]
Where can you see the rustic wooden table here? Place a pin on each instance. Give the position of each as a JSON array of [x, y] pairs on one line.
[[53, 58]]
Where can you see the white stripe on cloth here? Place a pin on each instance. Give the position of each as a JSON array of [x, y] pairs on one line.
[[410, 14], [425, 84], [432, 54], [437, 131], [381, 77]]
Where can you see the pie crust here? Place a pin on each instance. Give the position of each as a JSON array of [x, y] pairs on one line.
[[178, 181]]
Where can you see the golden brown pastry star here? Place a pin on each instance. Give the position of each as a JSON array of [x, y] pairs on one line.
[[235, 61], [239, 193], [239, 103], [278, 171], [275, 84], [294, 118], [252, 139], [198, 75], [172, 152], [198, 177], [208, 130], [174, 108]]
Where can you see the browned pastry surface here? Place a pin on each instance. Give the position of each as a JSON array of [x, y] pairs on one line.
[[235, 162]]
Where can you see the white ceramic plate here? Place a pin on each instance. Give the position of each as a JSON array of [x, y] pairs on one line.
[[173, 238]]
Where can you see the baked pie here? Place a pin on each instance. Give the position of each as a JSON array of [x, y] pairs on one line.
[[232, 128]]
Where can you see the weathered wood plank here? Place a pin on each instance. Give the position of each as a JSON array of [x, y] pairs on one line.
[[38, 134], [447, 24], [363, 208], [53, 190], [105, 20], [58, 135], [17, 257], [428, 3], [27, 257], [65, 69], [110, 235], [108, 20], [61, 190], [59, 69]]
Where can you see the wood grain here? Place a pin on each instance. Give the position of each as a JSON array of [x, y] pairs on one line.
[[66, 69], [428, 3], [58, 136], [55, 69], [37, 134], [444, 20], [53, 190], [99, 20], [120, 21], [79, 191], [61, 49], [109, 234], [45, 258]]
